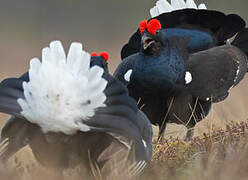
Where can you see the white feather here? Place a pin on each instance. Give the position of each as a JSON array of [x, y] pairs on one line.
[[144, 143], [128, 75], [182, 4], [62, 91], [163, 6], [176, 4], [188, 77], [202, 6], [154, 12], [237, 73], [136, 168], [191, 4], [34, 67]]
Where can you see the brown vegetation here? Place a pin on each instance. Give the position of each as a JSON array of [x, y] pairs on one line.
[[221, 155]]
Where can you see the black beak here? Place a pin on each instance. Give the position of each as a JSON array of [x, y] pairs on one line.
[[147, 41]]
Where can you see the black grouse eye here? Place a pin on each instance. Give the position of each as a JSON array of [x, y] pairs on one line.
[[157, 31]]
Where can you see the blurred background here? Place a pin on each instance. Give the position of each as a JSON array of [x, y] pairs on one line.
[[27, 26]]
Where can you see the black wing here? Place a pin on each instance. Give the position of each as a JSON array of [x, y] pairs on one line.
[[13, 137], [220, 26], [124, 66], [121, 117], [10, 90], [14, 131], [215, 71], [241, 40]]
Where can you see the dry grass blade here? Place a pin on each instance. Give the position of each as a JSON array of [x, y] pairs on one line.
[[221, 155]]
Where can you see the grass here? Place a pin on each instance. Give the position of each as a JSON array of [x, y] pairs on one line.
[[223, 154]]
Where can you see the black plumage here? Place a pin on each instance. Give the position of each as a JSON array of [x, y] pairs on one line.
[[121, 134], [99, 61], [163, 92], [215, 24]]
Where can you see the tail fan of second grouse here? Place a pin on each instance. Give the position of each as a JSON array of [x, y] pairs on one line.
[[241, 40]]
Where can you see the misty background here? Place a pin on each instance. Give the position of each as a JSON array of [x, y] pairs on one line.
[[27, 26]]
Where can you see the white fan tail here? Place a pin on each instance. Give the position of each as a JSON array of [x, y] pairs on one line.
[[191, 4], [163, 6], [177, 4], [202, 6], [154, 12], [63, 91]]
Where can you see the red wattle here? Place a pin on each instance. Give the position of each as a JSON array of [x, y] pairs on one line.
[[105, 55], [153, 26], [143, 26]]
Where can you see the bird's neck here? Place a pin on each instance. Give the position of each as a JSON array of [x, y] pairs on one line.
[[163, 70]]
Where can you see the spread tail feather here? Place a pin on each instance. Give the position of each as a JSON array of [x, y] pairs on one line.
[[163, 6], [241, 40], [61, 93]]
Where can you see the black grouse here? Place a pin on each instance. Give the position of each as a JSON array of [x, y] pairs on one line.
[[70, 114], [172, 85], [205, 28]]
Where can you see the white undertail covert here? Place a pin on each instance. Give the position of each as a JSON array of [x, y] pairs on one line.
[[63, 91], [163, 6]]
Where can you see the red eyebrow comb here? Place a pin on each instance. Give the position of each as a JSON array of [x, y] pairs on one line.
[[105, 55], [143, 26], [153, 26], [93, 54]]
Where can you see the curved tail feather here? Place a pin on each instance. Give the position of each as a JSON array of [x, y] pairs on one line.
[[163, 6], [241, 40]]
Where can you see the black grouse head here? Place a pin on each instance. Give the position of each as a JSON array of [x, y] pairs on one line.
[[152, 38], [100, 60]]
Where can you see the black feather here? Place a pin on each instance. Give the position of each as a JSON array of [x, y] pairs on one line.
[[113, 127], [215, 23], [214, 71], [241, 40], [11, 90]]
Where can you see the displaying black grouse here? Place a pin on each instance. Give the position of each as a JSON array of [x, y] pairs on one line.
[[205, 28], [70, 114], [15, 140], [172, 85], [100, 60]]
